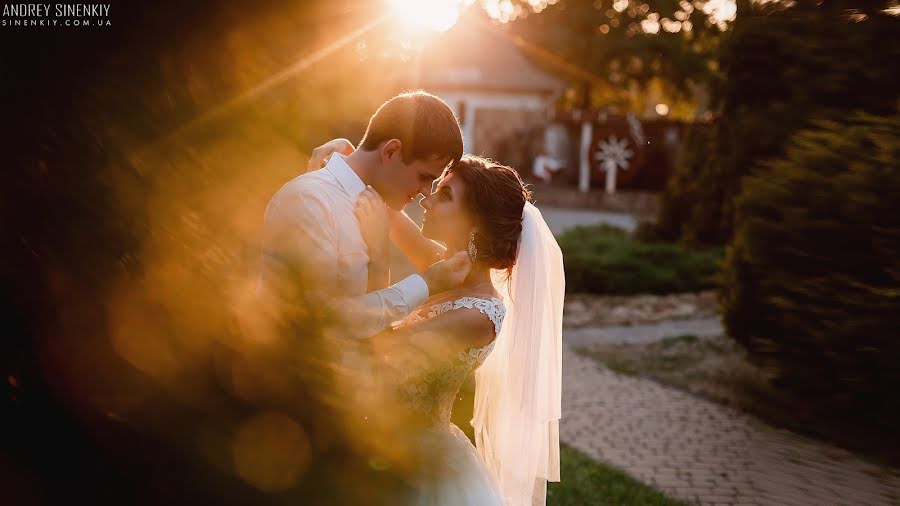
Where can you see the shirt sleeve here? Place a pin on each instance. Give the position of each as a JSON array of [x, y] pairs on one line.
[[300, 231], [382, 307]]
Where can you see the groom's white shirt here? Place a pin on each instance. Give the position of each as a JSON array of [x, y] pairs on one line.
[[310, 220]]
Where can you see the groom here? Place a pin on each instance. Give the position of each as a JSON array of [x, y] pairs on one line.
[[310, 221], [310, 227]]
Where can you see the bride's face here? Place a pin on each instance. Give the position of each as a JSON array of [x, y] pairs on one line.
[[446, 219]]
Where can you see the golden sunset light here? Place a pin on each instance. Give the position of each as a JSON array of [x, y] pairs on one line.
[[450, 252], [427, 15]]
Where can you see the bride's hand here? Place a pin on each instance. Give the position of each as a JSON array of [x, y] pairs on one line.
[[320, 155], [372, 214]]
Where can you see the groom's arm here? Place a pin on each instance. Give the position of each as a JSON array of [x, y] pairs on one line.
[[302, 229], [419, 250]]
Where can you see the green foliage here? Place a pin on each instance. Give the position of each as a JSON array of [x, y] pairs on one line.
[[585, 481], [780, 73], [811, 283], [610, 43], [604, 259]]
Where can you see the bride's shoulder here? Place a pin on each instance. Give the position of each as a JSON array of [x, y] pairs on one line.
[[480, 301], [479, 313]]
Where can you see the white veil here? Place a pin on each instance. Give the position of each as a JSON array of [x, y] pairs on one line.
[[518, 388]]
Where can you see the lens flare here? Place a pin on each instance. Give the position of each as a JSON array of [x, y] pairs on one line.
[[423, 15]]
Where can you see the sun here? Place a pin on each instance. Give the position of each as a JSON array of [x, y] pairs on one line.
[[422, 15]]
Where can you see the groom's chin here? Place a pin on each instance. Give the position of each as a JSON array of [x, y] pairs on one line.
[[398, 205]]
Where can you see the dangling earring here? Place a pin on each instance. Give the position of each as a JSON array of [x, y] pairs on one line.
[[473, 251]]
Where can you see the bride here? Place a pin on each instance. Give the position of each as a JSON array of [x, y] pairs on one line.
[[504, 324]]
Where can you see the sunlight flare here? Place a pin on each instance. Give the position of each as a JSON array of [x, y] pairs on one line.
[[423, 15]]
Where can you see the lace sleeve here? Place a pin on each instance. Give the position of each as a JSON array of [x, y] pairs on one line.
[[492, 308]]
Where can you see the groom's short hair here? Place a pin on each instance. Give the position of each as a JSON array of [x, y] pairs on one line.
[[424, 124]]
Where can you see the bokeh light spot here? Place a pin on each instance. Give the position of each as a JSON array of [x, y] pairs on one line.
[[271, 451]]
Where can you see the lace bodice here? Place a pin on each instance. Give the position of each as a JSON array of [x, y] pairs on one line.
[[430, 387]]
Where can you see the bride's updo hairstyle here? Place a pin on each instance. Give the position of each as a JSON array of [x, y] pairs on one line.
[[495, 195]]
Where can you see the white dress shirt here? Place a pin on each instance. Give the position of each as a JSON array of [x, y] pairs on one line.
[[310, 222]]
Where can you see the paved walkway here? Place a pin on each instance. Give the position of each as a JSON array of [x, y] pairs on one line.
[[704, 452], [559, 219], [644, 333]]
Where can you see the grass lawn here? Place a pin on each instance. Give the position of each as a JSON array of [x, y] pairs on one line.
[[588, 482]]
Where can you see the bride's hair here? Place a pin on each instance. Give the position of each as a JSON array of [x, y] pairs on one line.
[[495, 195]]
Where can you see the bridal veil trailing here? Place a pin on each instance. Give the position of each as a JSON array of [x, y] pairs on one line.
[[518, 388]]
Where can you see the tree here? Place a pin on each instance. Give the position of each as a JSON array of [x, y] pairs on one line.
[[812, 279], [631, 46], [779, 72]]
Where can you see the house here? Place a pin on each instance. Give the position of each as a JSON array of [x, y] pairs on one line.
[[501, 99]]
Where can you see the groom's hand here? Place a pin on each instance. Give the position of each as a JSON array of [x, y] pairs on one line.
[[447, 274], [320, 155], [374, 223]]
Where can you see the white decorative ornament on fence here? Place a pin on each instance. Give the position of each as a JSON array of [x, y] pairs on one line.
[[613, 154]]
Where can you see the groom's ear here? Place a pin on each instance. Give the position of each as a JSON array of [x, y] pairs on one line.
[[390, 149]]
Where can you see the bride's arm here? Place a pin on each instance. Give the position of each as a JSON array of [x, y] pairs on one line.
[[441, 336], [371, 213], [320, 155], [408, 237], [421, 251]]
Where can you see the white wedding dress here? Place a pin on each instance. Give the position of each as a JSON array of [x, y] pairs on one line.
[[518, 378], [453, 473]]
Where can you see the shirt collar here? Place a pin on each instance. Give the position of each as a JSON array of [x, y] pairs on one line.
[[347, 178]]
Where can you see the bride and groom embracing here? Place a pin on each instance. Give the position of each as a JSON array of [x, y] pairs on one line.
[[489, 299]]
